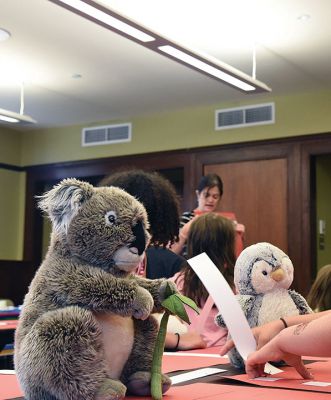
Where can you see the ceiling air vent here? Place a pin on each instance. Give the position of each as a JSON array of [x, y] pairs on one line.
[[258, 114], [107, 134]]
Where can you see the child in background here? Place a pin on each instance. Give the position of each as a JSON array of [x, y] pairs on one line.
[[319, 296], [214, 235]]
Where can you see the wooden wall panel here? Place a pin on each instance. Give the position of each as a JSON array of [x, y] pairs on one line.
[[15, 277], [268, 184], [257, 192]]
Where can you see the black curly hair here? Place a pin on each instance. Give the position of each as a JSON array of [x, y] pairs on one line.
[[158, 196]]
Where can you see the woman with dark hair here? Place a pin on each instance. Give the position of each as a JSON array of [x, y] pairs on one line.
[[209, 194], [214, 235], [160, 200]]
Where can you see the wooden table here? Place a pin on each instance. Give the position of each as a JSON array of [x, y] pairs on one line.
[[220, 386]]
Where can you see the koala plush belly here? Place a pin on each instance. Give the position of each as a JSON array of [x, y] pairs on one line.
[[117, 337]]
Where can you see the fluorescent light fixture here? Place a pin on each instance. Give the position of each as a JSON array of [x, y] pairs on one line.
[[207, 65], [8, 119], [4, 35], [15, 118], [107, 19], [203, 66]]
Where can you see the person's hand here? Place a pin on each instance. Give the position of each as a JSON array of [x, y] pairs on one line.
[[191, 340], [263, 334], [183, 233], [177, 247], [272, 352]]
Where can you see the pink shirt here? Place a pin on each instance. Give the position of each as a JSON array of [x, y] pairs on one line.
[[211, 333]]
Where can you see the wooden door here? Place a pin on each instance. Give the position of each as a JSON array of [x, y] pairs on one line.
[[256, 191]]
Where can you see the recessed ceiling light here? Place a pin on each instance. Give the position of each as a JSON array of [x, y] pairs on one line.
[[304, 17], [4, 35]]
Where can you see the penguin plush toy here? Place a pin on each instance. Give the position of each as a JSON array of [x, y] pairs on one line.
[[262, 275]]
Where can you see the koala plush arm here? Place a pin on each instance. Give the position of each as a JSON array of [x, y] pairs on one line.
[[156, 287], [99, 291]]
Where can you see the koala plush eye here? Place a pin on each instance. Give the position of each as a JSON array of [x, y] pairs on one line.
[[111, 217]]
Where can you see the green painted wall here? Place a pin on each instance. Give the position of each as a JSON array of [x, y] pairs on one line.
[[295, 115], [323, 208], [300, 114], [12, 203], [12, 198], [10, 146]]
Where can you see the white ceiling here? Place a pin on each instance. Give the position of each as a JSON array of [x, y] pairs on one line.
[[121, 79]]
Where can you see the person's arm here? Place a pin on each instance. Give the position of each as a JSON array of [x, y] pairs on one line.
[[185, 341], [263, 334], [177, 247], [311, 338]]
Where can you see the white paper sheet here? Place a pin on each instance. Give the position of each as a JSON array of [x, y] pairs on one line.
[[317, 383], [266, 379], [186, 354], [199, 373], [7, 372], [226, 303], [228, 306]]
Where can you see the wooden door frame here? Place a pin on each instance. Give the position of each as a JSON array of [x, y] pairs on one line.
[[309, 150]]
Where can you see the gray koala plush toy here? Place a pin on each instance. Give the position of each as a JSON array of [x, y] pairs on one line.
[[85, 331], [263, 274]]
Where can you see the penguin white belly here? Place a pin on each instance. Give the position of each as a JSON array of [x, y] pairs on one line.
[[276, 304], [117, 337]]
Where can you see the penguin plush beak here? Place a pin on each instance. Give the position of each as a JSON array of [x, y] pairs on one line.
[[278, 274]]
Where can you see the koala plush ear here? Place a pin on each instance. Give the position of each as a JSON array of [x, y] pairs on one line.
[[63, 201]]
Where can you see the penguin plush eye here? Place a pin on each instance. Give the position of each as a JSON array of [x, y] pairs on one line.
[[264, 272], [111, 218]]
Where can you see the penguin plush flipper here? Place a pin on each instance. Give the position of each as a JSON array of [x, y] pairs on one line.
[[300, 302], [246, 304]]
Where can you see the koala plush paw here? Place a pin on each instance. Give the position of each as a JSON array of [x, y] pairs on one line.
[[143, 304], [163, 286], [139, 383], [111, 390]]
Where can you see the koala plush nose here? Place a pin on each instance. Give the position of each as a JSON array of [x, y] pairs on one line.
[[140, 241]]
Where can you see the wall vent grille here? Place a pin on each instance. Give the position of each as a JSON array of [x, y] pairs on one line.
[[258, 114], [107, 134]]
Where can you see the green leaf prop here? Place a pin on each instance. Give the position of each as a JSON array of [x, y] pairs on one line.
[[173, 304]]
